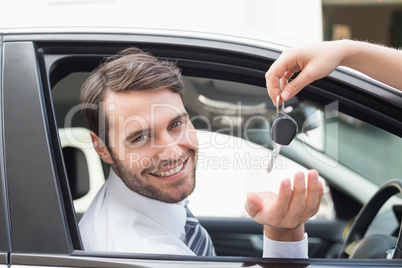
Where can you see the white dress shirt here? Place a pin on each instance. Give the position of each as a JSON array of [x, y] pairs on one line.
[[120, 220]]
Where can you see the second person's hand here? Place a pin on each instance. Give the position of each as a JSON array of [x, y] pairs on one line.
[[314, 61]]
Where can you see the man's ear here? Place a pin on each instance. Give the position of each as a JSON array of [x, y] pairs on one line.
[[101, 148]]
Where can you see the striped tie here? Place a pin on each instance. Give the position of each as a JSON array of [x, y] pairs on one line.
[[198, 239]]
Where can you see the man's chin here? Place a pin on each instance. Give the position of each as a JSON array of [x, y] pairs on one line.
[[171, 198], [177, 192]]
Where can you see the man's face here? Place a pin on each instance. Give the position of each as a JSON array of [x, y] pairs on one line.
[[152, 143]]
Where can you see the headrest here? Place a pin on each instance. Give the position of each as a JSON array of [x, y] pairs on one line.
[[77, 171]]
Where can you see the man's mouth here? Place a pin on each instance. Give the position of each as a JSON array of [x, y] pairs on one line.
[[169, 172]]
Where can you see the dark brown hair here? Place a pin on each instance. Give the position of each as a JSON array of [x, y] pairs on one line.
[[130, 70]]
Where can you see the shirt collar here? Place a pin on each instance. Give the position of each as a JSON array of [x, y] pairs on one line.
[[172, 217]]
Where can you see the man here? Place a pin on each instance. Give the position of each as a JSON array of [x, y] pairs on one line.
[[140, 127]]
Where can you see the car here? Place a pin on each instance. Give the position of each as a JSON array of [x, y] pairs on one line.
[[349, 129]]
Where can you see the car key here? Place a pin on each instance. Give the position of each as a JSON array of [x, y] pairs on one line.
[[283, 131]]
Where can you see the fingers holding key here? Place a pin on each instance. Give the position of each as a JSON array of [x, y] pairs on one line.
[[279, 73], [313, 61]]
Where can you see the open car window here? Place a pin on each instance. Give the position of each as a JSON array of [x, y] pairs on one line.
[[234, 123], [233, 127]]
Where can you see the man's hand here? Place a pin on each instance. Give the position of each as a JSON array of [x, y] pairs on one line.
[[283, 215]]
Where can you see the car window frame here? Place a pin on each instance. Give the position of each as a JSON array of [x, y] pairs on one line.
[[25, 101], [5, 239]]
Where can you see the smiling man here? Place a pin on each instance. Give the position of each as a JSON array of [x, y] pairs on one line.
[[152, 153], [139, 125]]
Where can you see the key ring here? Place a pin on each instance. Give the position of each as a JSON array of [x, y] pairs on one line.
[[277, 104]]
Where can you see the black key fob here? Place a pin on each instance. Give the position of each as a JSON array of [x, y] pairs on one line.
[[284, 129]]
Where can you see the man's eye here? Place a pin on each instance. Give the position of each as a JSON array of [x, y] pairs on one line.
[[140, 138], [176, 124]]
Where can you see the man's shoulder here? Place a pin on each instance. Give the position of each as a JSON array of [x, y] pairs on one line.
[[106, 208], [94, 211]]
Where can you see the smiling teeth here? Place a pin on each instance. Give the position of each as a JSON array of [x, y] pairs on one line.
[[169, 172]]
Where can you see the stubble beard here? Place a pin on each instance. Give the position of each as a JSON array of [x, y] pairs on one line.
[[174, 192]]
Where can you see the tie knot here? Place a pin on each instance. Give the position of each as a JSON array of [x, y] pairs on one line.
[[188, 213], [191, 221]]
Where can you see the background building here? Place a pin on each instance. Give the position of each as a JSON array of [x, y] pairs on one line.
[[377, 21]]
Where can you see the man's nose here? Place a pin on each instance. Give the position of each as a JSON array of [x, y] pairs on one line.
[[168, 147]]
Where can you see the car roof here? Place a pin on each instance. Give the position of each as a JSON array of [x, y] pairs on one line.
[[239, 36]]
